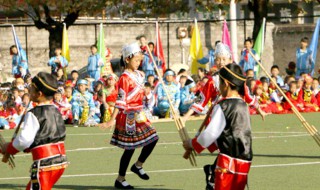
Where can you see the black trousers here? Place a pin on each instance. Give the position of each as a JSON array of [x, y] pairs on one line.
[[127, 154]]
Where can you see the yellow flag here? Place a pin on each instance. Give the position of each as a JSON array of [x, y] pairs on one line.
[[65, 48], [196, 49]]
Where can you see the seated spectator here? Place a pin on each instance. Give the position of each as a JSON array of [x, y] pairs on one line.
[[294, 97], [187, 96], [149, 100], [9, 113], [62, 104], [182, 81], [68, 93], [108, 96], [291, 69], [15, 93], [74, 78], [275, 73], [315, 86], [151, 81], [82, 103], [163, 106], [251, 84], [310, 102], [250, 73]]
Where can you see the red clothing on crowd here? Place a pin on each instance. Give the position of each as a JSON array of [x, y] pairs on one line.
[[296, 101], [310, 101]]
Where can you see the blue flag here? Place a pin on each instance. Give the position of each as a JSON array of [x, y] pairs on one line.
[[16, 41], [314, 43]]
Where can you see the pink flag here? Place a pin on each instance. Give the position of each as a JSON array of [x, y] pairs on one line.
[[158, 50], [226, 37]]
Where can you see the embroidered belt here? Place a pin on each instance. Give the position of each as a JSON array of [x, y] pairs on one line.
[[48, 150], [227, 164], [51, 168]]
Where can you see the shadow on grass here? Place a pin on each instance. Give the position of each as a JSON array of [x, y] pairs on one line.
[[82, 187]]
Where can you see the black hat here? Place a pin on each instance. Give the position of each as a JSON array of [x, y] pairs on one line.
[[233, 74], [46, 83]]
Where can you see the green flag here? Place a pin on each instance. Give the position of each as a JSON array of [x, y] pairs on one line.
[[101, 46], [259, 44]]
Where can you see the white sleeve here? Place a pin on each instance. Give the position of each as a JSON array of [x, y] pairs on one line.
[[214, 129], [29, 130]]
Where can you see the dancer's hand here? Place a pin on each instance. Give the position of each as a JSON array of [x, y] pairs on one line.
[[106, 125], [262, 113]]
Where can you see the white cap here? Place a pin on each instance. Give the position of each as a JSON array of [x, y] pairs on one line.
[[130, 49], [222, 50]]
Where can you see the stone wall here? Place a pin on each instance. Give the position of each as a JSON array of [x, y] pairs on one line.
[[279, 48]]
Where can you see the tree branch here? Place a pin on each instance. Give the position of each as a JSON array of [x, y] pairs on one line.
[[37, 21], [49, 19], [71, 18]]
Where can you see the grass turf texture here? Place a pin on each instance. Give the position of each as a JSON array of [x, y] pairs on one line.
[[278, 143]]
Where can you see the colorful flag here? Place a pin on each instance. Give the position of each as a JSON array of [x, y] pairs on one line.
[[101, 46], [259, 44], [65, 51], [226, 37], [16, 41], [314, 43], [196, 49], [158, 50]]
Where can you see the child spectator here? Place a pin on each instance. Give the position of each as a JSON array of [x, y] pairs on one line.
[[68, 93], [94, 63], [58, 61], [251, 83], [151, 80], [187, 96], [149, 100], [108, 96], [163, 107], [294, 97], [147, 63], [82, 103], [182, 81], [250, 73], [247, 61], [62, 104], [315, 86], [275, 73], [305, 62], [9, 113], [291, 70], [19, 62], [74, 78], [17, 98], [60, 78], [310, 102]]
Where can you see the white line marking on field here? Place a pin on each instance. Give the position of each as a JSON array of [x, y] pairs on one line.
[[174, 170], [169, 143]]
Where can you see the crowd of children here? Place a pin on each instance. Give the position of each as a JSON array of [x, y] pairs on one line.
[[91, 100]]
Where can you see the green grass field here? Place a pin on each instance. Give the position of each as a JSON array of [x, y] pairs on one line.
[[285, 157]]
